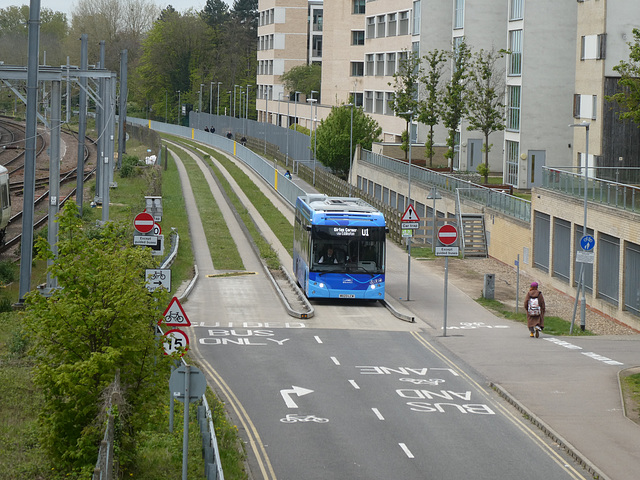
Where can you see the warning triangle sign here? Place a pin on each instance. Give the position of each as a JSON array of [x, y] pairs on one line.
[[174, 315], [410, 215]]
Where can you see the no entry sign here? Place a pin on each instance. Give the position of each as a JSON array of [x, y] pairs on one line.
[[143, 222], [447, 234]]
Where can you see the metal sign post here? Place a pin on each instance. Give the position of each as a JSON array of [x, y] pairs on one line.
[[410, 220], [447, 235]]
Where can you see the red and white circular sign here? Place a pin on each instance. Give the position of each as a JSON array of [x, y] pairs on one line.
[[173, 340], [143, 222], [447, 234]]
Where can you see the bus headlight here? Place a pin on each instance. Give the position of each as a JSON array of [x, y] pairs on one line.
[[372, 287], [321, 285]]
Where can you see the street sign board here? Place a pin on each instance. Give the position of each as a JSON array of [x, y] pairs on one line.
[[587, 242], [410, 215], [158, 277], [584, 257], [447, 234], [447, 251], [174, 315], [157, 229], [197, 383], [145, 240], [412, 225], [173, 340], [407, 232], [143, 222]]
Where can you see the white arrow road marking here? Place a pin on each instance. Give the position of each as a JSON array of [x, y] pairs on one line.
[[299, 391]]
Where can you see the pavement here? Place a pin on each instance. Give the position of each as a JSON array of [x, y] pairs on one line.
[[567, 386]]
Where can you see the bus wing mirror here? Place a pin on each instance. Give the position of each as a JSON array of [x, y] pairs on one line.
[[386, 229], [308, 227]]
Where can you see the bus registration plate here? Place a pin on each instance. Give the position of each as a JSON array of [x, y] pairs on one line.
[[347, 295]]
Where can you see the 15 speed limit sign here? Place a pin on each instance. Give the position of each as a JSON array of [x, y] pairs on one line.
[[174, 340]]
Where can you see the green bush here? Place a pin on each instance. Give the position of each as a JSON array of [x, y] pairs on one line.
[[8, 272], [129, 166]]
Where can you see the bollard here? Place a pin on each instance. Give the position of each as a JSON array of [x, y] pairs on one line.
[[489, 288]]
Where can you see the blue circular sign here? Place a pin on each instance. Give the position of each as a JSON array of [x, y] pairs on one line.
[[587, 242]]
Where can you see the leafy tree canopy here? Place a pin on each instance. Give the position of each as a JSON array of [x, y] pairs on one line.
[[303, 79], [334, 137], [100, 320], [215, 13]]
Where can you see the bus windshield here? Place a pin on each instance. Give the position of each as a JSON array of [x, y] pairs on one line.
[[342, 249]]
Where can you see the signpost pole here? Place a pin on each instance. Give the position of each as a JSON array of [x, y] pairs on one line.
[[446, 283], [185, 433]]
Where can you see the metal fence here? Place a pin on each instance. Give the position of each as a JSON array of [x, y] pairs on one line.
[[503, 202], [606, 192]]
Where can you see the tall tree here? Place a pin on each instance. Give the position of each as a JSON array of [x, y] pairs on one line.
[[405, 96], [215, 13], [485, 98], [333, 137], [303, 79], [629, 84], [453, 101], [430, 106], [101, 320]]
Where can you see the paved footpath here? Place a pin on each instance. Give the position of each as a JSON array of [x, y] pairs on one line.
[[567, 385]]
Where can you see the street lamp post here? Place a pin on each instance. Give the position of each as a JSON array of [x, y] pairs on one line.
[[350, 146], [266, 118], [410, 114], [246, 114], [229, 92], [210, 97], [179, 107], [166, 105], [314, 122], [218, 105], [288, 120], [295, 121], [200, 105], [234, 100], [583, 305]]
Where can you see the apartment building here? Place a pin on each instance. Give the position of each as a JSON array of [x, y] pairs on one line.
[[604, 29], [558, 71]]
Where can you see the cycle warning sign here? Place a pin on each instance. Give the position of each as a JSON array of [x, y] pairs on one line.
[[156, 278], [174, 315]]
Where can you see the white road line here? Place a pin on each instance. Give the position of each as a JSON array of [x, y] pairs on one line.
[[354, 384], [318, 339], [406, 450], [335, 360], [378, 414]]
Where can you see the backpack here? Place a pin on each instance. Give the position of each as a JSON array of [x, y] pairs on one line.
[[534, 306]]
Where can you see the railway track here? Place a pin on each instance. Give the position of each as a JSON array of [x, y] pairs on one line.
[[15, 133]]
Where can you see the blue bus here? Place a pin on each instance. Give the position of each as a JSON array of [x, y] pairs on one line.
[[339, 248]]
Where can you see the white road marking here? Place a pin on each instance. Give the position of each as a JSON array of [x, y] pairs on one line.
[[378, 414], [354, 384], [318, 339], [335, 360], [406, 450]]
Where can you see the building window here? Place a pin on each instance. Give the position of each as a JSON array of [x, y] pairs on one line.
[[515, 12], [368, 101], [371, 27], [317, 20], [585, 106], [358, 97], [593, 47], [357, 37], [458, 21], [512, 153], [357, 69], [381, 25], [389, 103], [379, 64], [358, 7], [416, 17], [515, 57], [380, 103], [404, 23], [317, 46], [392, 24], [370, 64], [391, 63], [513, 109], [271, 42]]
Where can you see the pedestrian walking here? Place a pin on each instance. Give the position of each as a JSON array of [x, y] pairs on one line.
[[535, 307]]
